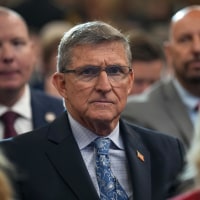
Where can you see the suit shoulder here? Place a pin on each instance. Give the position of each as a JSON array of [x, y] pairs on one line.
[[27, 138], [45, 100], [158, 143], [144, 107], [152, 136], [155, 92]]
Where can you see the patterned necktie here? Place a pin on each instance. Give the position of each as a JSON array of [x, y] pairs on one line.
[[110, 189], [8, 119]]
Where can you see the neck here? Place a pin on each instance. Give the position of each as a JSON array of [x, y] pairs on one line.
[[192, 88], [100, 127]]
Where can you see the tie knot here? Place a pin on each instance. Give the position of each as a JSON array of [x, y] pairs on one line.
[[9, 117], [8, 120], [102, 145]]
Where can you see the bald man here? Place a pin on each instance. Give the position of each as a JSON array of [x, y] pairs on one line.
[[170, 106]]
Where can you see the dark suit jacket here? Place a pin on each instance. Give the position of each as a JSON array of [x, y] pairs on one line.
[[161, 109], [50, 165], [45, 108]]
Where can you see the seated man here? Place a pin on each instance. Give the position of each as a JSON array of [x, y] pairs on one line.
[[89, 152], [170, 106]]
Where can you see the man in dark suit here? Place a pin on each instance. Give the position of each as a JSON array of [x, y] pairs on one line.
[[32, 108], [45, 108], [170, 106], [58, 161]]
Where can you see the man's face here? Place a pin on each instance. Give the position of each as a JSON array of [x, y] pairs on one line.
[[146, 73], [183, 49], [16, 53], [97, 100]]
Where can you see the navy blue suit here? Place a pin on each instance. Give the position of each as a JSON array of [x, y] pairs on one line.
[[44, 107], [50, 165]]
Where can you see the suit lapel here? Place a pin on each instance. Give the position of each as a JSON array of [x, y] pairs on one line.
[[64, 154], [139, 162], [37, 110]]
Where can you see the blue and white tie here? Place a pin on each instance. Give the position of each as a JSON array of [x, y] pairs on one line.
[[110, 189]]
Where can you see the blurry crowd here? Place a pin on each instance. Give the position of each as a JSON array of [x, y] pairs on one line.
[[166, 91], [151, 15], [48, 19]]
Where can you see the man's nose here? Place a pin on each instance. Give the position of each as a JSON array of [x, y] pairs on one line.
[[196, 44], [103, 82], [6, 53]]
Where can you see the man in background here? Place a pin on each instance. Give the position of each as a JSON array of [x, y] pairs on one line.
[[171, 106], [148, 61], [20, 106]]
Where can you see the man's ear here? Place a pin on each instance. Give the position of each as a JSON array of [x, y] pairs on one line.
[[167, 51], [58, 81], [131, 82]]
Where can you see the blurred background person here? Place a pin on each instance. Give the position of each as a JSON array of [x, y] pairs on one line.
[[37, 13], [170, 105], [49, 38], [148, 60], [7, 172], [21, 108], [152, 15], [190, 177], [112, 11]]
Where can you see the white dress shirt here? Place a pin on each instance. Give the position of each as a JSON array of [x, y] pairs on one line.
[[23, 107], [119, 164], [189, 100]]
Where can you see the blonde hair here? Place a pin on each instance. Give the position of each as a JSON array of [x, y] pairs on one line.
[[192, 169], [6, 191]]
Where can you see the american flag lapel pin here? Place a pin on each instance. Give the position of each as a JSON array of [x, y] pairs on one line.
[[140, 156]]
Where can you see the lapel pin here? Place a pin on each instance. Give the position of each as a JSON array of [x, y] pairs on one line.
[[140, 156], [50, 116]]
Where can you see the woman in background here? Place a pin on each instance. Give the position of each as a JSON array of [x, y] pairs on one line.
[[191, 175], [6, 170]]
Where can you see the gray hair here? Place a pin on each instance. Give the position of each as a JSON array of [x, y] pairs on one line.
[[89, 33]]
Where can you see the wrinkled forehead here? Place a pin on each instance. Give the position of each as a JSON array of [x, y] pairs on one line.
[[100, 52]]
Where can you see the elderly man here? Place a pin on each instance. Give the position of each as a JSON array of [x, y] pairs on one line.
[[89, 153]]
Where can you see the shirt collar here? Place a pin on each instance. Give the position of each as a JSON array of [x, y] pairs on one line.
[[22, 106], [84, 137]]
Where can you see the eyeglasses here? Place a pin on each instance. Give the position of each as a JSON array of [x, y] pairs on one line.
[[87, 73]]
